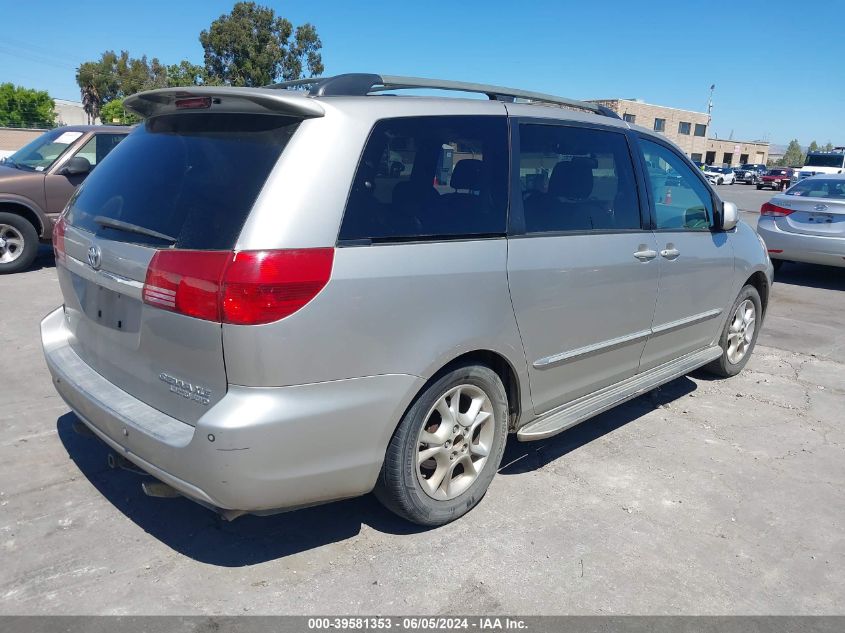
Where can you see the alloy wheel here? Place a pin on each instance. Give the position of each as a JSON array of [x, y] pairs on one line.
[[455, 442], [741, 331], [11, 243]]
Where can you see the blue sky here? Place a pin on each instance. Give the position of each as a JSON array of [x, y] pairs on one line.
[[777, 65]]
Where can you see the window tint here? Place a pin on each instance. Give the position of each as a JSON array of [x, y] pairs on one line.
[[825, 160], [99, 146], [683, 128], [659, 125], [193, 177], [681, 200], [629, 118], [430, 177], [700, 129], [576, 179]]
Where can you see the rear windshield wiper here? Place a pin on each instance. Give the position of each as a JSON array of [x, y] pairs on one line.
[[111, 223]]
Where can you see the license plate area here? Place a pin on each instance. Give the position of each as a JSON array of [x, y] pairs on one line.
[[107, 308]]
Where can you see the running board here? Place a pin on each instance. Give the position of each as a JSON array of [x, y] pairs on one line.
[[592, 404]]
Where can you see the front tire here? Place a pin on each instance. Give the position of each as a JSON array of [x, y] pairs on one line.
[[447, 448], [18, 243], [739, 335]]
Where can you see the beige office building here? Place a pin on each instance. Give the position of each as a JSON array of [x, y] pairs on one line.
[[689, 129]]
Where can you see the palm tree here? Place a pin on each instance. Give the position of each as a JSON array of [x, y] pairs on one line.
[[91, 102]]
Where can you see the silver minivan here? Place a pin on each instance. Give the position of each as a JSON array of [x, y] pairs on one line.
[[275, 297]]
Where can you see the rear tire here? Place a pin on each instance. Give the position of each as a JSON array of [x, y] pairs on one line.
[[739, 335], [18, 243], [432, 473], [759, 187]]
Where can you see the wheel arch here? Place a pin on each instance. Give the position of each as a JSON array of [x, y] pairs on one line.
[[26, 210], [496, 361], [760, 282]]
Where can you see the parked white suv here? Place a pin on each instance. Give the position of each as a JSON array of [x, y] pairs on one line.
[[816, 163], [275, 298]]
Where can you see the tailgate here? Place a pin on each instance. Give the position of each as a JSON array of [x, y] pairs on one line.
[[179, 183], [169, 361]]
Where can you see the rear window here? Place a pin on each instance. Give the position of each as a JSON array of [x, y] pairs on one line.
[[819, 188], [430, 178], [187, 180]]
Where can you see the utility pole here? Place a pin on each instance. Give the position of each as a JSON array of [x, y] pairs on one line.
[[710, 103]]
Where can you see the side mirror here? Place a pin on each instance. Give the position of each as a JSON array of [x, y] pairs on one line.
[[730, 216], [77, 165]]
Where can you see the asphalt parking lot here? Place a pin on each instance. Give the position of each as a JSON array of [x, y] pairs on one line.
[[702, 497]]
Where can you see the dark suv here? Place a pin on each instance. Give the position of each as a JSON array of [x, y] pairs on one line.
[[750, 173], [37, 181]]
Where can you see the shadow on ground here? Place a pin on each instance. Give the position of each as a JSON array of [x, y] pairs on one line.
[[823, 277], [201, 535], [44, 259], [521, 457]]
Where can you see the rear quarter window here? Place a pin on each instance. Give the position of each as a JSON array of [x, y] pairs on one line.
[[430, 178], [193, 177]]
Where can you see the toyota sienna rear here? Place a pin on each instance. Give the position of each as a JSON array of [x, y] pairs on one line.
[[275, 298]]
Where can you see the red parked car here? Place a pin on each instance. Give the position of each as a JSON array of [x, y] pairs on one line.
[[776, 178]]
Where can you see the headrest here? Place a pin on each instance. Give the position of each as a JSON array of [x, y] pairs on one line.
[[572, 179], [467, 174]]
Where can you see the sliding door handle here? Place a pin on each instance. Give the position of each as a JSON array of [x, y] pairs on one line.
[[645, 254]]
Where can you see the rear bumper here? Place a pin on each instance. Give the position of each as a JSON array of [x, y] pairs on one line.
[[257, 449], [810, 249]]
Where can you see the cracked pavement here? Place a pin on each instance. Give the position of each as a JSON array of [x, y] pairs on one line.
[[702, 497]]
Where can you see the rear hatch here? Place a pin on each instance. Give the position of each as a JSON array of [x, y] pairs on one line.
[[181, 182]]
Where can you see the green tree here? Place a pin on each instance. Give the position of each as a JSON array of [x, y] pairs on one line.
[[24, 107], [186, 74], [828, 147], [113, 113], [116, 76], [793, 156], [813, 147], [251, 46]]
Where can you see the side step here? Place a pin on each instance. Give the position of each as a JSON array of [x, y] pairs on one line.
[[592, 404]]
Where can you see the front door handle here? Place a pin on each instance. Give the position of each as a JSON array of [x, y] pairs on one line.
[[645, 254], [670, 252]]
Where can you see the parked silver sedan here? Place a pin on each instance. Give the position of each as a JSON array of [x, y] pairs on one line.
[[807, 222]]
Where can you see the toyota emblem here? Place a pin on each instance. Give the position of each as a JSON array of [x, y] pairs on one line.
[[95, 257]]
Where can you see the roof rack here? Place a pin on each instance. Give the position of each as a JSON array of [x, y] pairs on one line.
[[362, 84]]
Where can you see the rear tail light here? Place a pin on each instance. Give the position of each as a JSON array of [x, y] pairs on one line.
[[59, 240], [774, 210], [243, 288]]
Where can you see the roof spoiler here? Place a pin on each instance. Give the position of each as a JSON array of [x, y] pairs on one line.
[[224, 99]]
